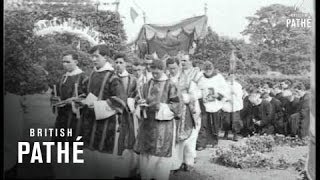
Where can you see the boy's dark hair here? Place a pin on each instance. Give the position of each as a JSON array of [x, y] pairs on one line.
[[172, 60], [74, 54], [103, 49], [136, 61], [157, 64], [121, 55], [299, 86]]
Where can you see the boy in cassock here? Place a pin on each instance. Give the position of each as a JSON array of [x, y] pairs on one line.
[[231, 108], [212, 86], [299, 121], [128, 126], [246, 114], [68, 113], [70, 86], [292, 104], [138, 72], [262, 114], [156, 133], [104, 103], [277, 113], [290, 107]]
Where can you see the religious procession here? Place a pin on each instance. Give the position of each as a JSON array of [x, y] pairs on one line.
[[161, 106]]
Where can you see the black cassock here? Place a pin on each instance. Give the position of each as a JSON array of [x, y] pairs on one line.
[[278, 119], [66, 117], [246, 117], [263, 113], [127, 137], [299, 122]]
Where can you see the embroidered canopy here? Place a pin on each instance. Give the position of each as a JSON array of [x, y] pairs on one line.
[[170, 39]]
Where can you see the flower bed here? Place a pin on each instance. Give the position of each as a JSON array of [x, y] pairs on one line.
[[256, 152]]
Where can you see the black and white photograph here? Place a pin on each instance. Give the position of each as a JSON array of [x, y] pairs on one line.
[[159, 89]]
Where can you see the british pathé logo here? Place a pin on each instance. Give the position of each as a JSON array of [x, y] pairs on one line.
[[299, 19]]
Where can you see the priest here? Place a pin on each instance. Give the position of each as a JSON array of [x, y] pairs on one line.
[[160, 103]]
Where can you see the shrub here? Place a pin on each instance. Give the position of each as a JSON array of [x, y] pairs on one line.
[[257, 80], [251, 152]]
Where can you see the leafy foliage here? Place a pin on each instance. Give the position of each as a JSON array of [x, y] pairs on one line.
[[25, 53], [20, 53], [283, 48], [215, 49], [256, 80], [273, 46], [282, 140]]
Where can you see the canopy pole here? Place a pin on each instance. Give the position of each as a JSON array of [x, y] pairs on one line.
[[97, 3], [205, 8], [144, 17], [117, 3]]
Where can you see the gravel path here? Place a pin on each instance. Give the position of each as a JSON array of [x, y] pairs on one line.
[[204, 169]]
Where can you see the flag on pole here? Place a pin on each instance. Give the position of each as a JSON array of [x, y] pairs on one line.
[[133, 14]]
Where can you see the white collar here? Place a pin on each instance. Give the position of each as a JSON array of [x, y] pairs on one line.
[[106, 67], [123, 74], [164, 77], [74, 72]]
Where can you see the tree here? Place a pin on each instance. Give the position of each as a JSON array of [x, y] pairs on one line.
[[281, 47], [26, 55], [215, 49]]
